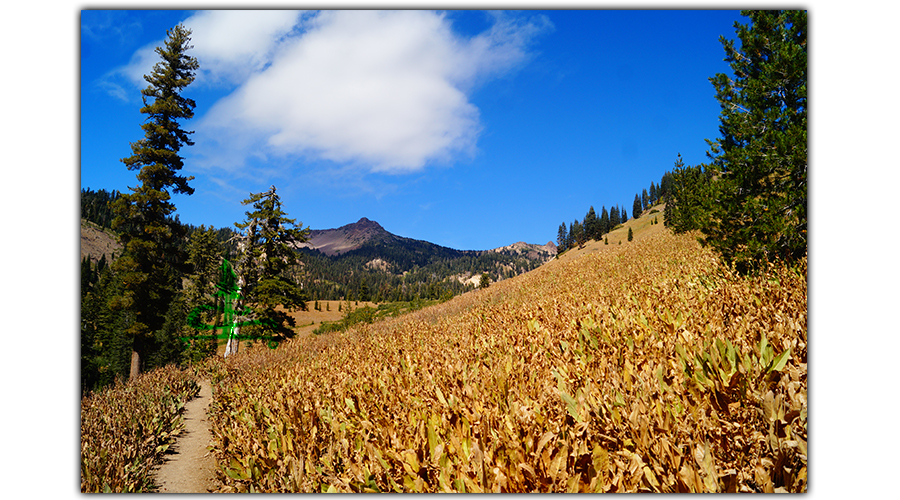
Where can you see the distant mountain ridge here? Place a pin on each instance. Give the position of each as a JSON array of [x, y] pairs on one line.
[[349, 237], [362, 259]]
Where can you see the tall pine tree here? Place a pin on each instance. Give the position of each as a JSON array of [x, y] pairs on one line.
[[762, 153], [143, 217]]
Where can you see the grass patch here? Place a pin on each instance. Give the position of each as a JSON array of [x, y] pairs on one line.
[[368, 314]]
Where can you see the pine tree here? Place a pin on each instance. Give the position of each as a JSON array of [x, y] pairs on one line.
[[143, 217], [630, 235], [605, 225], [562, 239], [266, 257], [691, 199], [578, 233], [205, 253], [654, 199], [762, 153], [485, 281], [363, 291], [645, 200], [591, 225], [637, 207], [665, 186]]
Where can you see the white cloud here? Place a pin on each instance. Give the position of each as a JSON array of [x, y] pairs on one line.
[[383, 90], [233, 44]]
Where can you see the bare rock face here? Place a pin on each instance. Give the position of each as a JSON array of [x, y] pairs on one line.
[[95, 242], [529, 250], [333, 242]]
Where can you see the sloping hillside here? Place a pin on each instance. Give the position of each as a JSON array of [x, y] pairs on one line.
[[643, 366], [96, 241]]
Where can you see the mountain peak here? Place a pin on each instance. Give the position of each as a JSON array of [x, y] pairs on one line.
[[345, 238], [364, 222]]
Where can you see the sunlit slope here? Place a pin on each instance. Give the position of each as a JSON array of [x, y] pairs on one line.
[[638, 367]]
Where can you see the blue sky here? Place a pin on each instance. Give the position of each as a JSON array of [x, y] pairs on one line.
[[470, 129]]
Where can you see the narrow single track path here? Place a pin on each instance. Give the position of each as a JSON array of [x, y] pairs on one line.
[[191, 468]]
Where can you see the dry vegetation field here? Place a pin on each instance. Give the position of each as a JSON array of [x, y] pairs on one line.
[[636, 367], [126, 428]]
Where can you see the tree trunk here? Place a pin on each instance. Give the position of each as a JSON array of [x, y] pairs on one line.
[[232, 346], [135, 365]]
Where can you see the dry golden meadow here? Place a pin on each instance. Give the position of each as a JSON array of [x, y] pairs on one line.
[[127, 427], [640, 367]]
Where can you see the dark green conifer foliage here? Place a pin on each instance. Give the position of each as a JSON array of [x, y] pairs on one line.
[[665, 186], [614, 217], [562, 242], [762, 151], [266, 263], [691, 199], [630, 234], [95, 206], [363, 291], [605, 225], [169, 347], [143, 217], [645, 200], [578, 233], [205, 252], [637, 207], [591, 225]]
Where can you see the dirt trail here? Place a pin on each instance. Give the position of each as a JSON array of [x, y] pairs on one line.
[[191, 468]]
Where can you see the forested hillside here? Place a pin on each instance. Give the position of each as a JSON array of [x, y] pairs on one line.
[[407, 269]]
